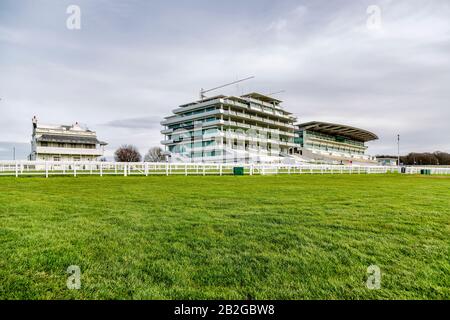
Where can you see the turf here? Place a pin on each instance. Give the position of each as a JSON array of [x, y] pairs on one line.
[[260, 237]]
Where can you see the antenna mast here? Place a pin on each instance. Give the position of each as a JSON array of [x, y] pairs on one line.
[[274, 93], [203, 91]]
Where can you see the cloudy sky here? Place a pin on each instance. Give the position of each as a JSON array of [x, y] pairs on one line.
[[132, 62]]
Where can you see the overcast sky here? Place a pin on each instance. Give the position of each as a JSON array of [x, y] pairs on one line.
[[132, 62]]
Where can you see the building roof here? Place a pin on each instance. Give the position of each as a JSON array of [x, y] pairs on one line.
[[262, 97], [74, 127], [339, 129], [206, 99], [69, 139]]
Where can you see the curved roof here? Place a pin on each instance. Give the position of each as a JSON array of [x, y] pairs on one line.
[[339, 129]]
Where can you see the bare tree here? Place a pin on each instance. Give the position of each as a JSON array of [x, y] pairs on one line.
[[426, 158], [127, 153], [155, 154]]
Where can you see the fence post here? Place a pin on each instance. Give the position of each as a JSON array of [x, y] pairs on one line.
[[74, 170], [185, 170], [46, 169], [17, 170], [146, 169], [125, 172], [220, 169], [167, 168], [101, 169], [204, 169]]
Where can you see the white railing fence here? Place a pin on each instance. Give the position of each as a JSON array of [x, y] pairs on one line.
[[46, 169]]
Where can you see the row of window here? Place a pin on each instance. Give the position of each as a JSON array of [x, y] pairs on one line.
[[199, 111], [177, 137], [66, 145], [188, 124], [326, 148], [58, 158], [331, 138]]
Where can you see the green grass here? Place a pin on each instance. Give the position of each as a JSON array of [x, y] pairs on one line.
[[260, 237]]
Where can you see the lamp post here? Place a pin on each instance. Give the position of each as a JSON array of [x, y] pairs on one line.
[[398, 150]]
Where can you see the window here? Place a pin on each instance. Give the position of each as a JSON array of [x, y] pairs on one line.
[[208, 143], [56, 158]]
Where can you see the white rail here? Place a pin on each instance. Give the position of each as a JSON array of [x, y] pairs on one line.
[[53, 168]]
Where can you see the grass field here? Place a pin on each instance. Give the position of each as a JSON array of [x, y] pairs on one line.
[[260, 237]]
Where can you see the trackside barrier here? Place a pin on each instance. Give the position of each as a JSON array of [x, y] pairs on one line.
[[54, 168]]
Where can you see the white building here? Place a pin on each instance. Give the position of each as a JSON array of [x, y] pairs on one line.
[[220, 129], [64, 143], [255, 128]]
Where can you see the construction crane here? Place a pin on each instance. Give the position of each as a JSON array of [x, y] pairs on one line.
[[203, 91]]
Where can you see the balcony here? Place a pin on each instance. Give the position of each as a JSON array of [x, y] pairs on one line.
[[180, 119], [69, 151], [166, 131]]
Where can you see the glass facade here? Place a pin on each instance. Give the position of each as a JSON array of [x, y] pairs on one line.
[[229, 128]]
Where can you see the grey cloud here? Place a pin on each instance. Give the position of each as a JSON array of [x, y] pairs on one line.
[[136, 123]]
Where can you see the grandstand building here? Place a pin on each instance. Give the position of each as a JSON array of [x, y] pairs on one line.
[[64, 143], [255, 128], [334, 143], [221, 129]]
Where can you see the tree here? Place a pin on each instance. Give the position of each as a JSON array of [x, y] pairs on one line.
[[426, 158], [127, 153], [155, 154]]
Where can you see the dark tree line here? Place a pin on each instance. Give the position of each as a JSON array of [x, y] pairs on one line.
[[130, 153], [435, 158]]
